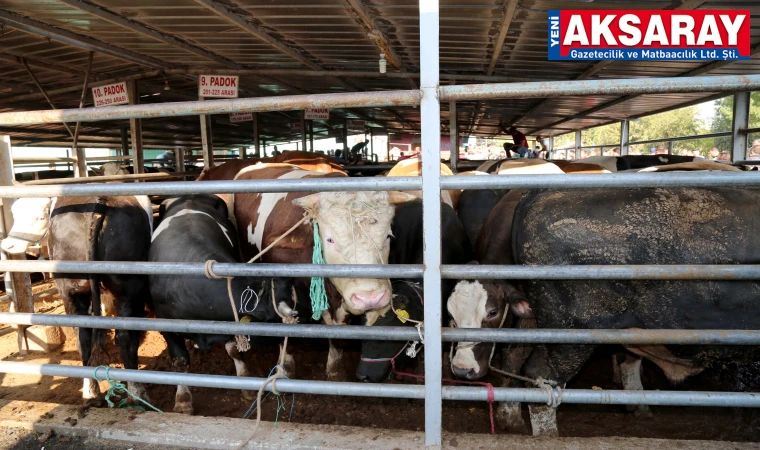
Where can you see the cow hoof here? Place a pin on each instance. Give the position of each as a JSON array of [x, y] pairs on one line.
[[95, 402], [249, 395], [336, 376], [184, 408], [640, 411]]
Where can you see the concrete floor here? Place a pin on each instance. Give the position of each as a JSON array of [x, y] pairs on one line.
[[126, 428]]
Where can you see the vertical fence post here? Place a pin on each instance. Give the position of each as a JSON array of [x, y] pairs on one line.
[[740, 122], [453, 136], [670, 147], [18, 286], [124, 141], [431, 216], [80, 170], [256, 135], [311, 136], [135, 126], [578, 144], [625, 126], [241, 152]]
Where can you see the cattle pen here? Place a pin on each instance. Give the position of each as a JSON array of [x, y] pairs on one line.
[[432, 93]]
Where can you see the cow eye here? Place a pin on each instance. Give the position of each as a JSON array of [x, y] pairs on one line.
[[330, 240], [493, 313]]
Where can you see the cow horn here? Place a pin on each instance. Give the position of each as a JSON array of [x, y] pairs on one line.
[[395, 197]]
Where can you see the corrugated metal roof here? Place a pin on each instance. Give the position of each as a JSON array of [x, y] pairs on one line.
[[326, 35]]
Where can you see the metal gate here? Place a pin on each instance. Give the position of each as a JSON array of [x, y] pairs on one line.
[[428, 97]]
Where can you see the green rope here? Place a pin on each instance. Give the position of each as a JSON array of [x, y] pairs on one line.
[[317, 291], [116, 389]]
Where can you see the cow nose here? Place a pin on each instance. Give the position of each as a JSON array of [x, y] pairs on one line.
[[362, 376], [467, 373], [370, 300]]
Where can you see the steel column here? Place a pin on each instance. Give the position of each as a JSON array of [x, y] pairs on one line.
[[624, 133], [311, 136], [179, 159], [241, 152], [453, 137], [135, 129], [19, 283], [124, 141], [345, 140], [80, 169], [303, 131], [430, 109], [578, 144], [207, 140], [670, 147], [740, 122], [256, 135]]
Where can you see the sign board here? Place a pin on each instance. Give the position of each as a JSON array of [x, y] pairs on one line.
[[111, 94], [218, 86], [241, 117], [649, 35], [355, 124], [317, 113]]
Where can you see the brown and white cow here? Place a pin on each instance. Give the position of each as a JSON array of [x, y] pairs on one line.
[[354, 228], [412, 167]]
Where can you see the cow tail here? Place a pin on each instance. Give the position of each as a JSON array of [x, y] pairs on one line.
[[96, 226]]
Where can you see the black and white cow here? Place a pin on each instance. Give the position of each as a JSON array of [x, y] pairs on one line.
[[612, 227], [406, 248], [196, 228], [92, 229]]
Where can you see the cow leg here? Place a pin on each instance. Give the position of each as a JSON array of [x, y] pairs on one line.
[[183, 401], [127, 294], [675, 369], [557, 363], [241, 369], [77, 303], [630, 376], [509, 414], [334, 362]]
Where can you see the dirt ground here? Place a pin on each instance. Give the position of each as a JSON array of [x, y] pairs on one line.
[[20, 439], [732, 424]]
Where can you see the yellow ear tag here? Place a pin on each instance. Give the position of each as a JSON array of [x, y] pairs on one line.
[[402, 315], [245, 319]]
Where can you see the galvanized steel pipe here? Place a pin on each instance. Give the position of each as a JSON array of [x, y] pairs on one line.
[[252, 104], [454, 272], [310, 331], [611, 180], [584, 396], [548, 89], [217, 187]]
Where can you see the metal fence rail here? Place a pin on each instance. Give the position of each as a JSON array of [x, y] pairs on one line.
[[428, 97], [505, 335], [583, 396]]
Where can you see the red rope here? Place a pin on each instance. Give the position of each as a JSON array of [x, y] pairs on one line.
[[488, 386]]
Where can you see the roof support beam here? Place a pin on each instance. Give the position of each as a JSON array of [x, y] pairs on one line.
[[47, 65], [141, 28], [78, 40], [506, 22], [225, 13], [376, 33]]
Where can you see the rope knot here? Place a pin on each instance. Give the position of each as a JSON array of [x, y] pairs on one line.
[[209, 271]]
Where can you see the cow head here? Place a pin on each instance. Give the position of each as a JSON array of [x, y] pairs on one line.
[[111, 168], [481, 304], [31, 221], [260, 296], [376, 356], [355, 229]]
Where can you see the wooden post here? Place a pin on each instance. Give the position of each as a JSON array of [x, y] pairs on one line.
[[18, 285], [124, 141], [179, 160], [135, 127], [241, 153]]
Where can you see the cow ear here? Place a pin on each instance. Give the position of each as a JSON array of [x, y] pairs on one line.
[[395, 197], [310, 203]]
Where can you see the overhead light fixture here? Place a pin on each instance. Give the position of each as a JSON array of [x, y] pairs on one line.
[[383, 63]]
